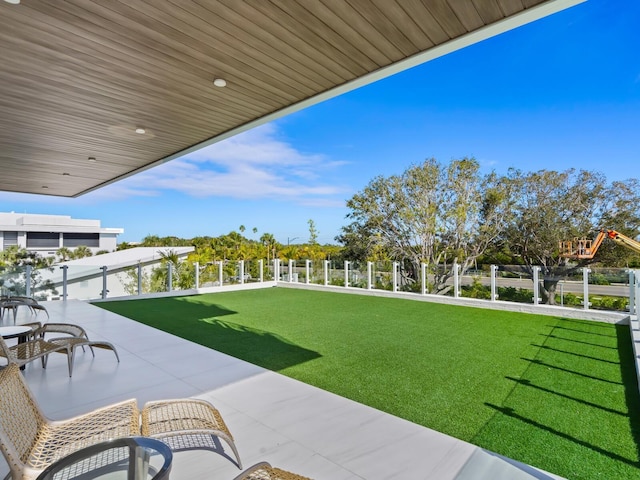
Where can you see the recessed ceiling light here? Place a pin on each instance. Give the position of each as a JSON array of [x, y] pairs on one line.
[[141, 131], [92, 159], [13, 2], [66, 174], [220, 82], [44, 186]]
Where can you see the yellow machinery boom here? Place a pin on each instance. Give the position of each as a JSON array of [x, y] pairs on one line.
[[586, 249]]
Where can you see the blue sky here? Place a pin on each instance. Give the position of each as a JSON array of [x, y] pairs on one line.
[[563, 92]]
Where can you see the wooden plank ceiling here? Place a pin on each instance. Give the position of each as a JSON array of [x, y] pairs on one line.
[[77, 77]]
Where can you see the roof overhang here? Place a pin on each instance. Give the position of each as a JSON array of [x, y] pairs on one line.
[[79, 77]]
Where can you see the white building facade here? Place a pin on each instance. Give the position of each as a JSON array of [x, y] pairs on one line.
[[45, 234]]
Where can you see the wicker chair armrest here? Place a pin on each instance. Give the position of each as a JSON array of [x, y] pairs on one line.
[[58, 439], [175, 419], [181, 415], [123, 408], [264, 471]]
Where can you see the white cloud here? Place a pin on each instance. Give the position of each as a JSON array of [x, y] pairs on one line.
[[255, 164]]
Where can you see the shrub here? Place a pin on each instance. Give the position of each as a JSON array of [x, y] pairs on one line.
[[476, 290]]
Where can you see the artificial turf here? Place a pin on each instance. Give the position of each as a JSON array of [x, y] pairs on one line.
[[556, 393]]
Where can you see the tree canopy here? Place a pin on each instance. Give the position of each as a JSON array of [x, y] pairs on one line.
[[438, 214]]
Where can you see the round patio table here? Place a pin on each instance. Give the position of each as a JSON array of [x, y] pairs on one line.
[[130, 458], [16, 331]]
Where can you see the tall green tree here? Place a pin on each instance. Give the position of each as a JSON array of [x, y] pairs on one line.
[[550, 206], [432, 213]]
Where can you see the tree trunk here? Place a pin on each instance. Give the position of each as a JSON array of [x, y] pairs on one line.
[[549, 290]]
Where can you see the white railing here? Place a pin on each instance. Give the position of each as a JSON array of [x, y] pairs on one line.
[[89, 283]]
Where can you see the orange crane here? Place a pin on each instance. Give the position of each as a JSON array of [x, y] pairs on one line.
[[586, 249]]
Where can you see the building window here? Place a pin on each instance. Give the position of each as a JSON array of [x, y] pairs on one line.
[[43, 240], [71, 240], [10, 238]]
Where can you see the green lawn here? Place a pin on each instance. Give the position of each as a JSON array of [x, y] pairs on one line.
[[556, 393]]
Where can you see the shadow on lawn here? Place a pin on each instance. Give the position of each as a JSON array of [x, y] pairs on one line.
[[559, 350], [259, 347], [510, 412], [528, 383], [573, 340], [567, 370], [563, 406], [200, 322], [630, 381]]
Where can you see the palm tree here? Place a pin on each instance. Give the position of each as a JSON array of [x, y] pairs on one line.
[[82, 251], [64, 254], [269, 241]]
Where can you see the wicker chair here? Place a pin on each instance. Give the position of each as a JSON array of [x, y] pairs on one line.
[[26, 352], [30, 441], [31, 303], [76, 337], [186, 424], [264, 471]]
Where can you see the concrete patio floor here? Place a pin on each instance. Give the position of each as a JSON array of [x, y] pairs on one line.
[[273, 418]]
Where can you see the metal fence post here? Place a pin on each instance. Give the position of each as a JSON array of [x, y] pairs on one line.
[[291, 265], [196, 267], [326, 272], [64, 282], [307, 268], [636, 307], [394, 276], [494, 295], [632, 291], [423, 277], [220, 273], [241, 271], [369, 273], [169, 276], [585, 287], [139, 278], [456, 280], [260, 273], [104, 281], [536, 286], [346, 273], [28, 280]]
